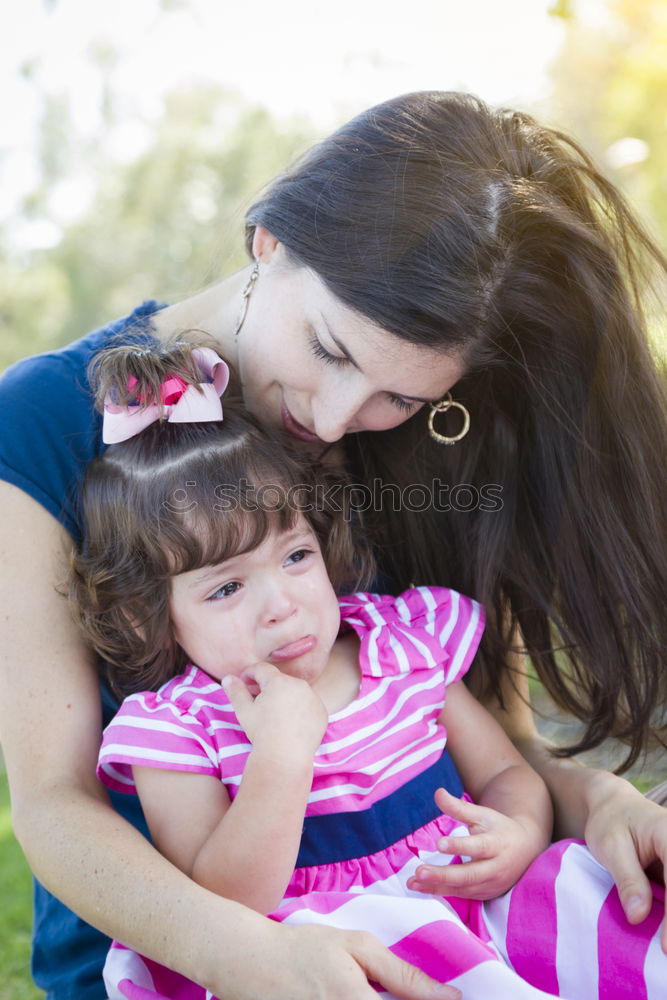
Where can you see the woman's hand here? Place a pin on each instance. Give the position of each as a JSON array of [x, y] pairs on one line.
[[624, 831], [500, 848], [323, 963], [627, 834], [278, 712]]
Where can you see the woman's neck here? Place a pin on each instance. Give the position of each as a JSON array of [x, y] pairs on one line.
[[213, 311]]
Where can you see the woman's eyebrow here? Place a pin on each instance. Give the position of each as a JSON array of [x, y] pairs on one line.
[[343, 349]]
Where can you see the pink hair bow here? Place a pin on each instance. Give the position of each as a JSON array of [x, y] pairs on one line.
[[181, 403]]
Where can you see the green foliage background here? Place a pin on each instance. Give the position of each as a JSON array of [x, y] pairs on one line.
[[160, 226], [16, 896], [169, 220]]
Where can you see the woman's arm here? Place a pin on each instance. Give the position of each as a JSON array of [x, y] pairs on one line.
[[624, 831], [510, 820], [90, 857], [245, 849]]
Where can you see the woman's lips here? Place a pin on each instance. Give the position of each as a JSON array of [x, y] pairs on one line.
[[294, 427], [293, 649]]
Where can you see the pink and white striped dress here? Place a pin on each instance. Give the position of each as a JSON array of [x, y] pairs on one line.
[[371, 821]]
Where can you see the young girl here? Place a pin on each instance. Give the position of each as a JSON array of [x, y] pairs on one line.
[[206, 580]]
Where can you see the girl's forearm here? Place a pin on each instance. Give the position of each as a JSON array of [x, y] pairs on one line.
[[251, 854], [493, 771], [574, 789], [519, 793]]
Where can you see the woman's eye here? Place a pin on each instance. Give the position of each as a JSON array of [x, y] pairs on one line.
[[404, 405], [320, 351], [226, 590]]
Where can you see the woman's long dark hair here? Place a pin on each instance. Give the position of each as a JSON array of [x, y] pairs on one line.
[[455, 226]]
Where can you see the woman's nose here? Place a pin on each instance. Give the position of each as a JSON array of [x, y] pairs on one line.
[[335, 416]]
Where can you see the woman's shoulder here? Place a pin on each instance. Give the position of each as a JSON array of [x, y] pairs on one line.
[[49, 430], [66, 366]]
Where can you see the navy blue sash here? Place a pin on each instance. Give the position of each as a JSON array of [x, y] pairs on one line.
[[345, 835]]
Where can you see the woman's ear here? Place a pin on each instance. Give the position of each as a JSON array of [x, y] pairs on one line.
[[264, 245]]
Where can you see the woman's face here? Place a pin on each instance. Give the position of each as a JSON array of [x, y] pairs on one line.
[[313, 366]]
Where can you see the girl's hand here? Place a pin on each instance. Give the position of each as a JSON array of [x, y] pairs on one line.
[[501, 848], [627, 834], [279, 713]]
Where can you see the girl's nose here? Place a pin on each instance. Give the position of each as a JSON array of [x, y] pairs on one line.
[[277, 604]]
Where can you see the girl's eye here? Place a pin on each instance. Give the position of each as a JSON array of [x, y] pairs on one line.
[[226, 590], [404, 405], [299, 555], [320, 351]]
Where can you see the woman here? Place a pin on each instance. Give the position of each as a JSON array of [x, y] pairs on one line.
[[429, 246]]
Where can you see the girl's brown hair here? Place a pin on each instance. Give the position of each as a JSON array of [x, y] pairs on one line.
[[455, 226], [177, 497]]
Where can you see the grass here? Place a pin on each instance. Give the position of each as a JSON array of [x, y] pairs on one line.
[[16, 896]]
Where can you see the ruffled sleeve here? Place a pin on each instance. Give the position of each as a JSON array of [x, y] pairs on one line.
[[422, 628], [154, 731]]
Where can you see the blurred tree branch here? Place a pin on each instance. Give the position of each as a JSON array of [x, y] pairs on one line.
[[165, 218]]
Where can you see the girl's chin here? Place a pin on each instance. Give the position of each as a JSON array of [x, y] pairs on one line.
[[309, 672]]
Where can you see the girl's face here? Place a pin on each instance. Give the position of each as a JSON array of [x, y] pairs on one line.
[[273, 604], [320, 370]]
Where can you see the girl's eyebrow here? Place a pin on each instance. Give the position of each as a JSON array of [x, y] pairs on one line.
[[299, 534], [224, 567], [343, 349], [227, 566], [207, 573]]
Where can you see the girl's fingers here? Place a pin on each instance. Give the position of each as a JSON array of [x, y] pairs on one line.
[[237, 692], [240, 699], [463, 876], [477, 846], [460, 809], [261, 673]]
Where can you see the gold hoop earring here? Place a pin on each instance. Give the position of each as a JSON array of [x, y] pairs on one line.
[[444, 404], [247, 292]]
